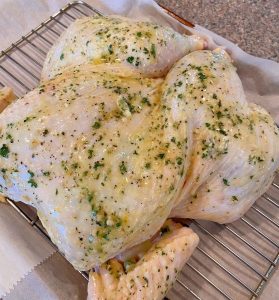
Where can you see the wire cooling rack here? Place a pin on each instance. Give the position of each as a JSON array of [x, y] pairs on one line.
[[232, 261]]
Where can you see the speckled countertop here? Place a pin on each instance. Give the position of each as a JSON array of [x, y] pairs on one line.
[[252, 24]]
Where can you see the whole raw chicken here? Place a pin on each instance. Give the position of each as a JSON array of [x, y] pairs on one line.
[[106, 154]]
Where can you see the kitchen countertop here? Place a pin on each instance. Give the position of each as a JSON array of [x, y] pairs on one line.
[[252, 24]]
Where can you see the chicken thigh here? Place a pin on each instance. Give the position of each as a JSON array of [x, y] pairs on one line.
[[232, 146], [148, 48]]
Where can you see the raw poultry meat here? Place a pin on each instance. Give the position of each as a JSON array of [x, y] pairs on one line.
[[151, 276], [88, 150], [106, 154], [148, 48], [232, 146]]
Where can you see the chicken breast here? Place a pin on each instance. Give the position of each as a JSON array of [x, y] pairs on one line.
[[232, 146], [88, 149], [146, 47], [150, 277]]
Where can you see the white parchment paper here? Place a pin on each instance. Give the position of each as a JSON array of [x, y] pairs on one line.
[[20, 247]]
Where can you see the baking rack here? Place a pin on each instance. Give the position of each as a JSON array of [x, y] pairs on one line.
[[232, 261]]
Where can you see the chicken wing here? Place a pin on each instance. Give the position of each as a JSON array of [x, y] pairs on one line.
[[150, 277]]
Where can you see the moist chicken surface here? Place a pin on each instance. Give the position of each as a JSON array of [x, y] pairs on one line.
[[148, 48], [88, 150], [106, 154], [232, 146]]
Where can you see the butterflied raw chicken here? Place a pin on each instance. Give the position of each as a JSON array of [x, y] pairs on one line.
[[146, 47], [152, 275], [106, 155], [232, 146], [89, 150]]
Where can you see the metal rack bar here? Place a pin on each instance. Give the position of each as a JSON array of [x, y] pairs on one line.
[[80, 11], [30, 43], [269, 199], [29, 57], [20, 65], [259, 231], [229, 249], [247, 243], [264, 215], [188, 289], [227, 271], [209, 281], [59, 22], [52, 30], [69, 15], [15, 78], [42, 37]]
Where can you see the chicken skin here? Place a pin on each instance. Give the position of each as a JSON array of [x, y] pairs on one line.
[[106, 151], [232, 146], [88, 150], [145, 47]]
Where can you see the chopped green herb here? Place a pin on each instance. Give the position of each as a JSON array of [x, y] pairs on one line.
[[145, 101], [254, 159], [31, 173], [130, 59], [147, 165], [179, 160], [62, 56], [110, 50], [4, 151], [161, 155], [90, 197], [9, 137], [145, 50], [202, 76], [97, 165], [75, 165], [45, 132], [180, 96], [32, 182], [153, 50], [27, 119], [225, 181], [96, 125], [90, 153], [122, 168], [234, 199]]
